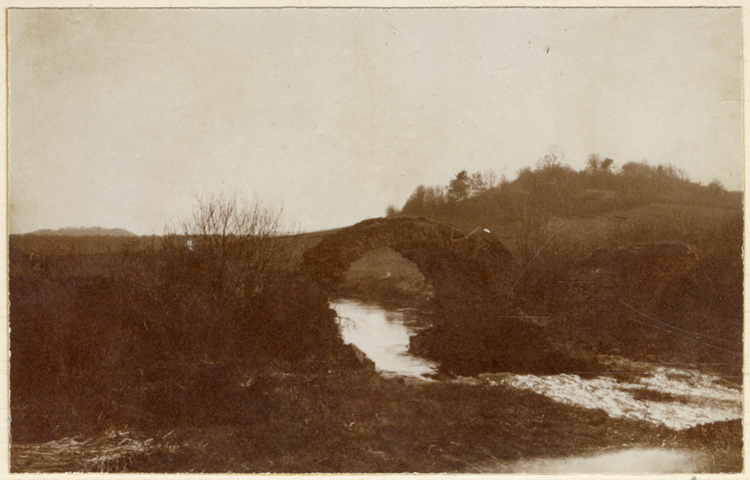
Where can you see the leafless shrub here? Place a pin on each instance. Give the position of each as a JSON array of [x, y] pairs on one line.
[[238, 246]]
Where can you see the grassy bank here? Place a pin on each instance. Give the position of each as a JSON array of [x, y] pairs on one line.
[[358, 422]]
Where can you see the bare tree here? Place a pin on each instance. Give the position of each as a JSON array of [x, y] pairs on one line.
[[227, 255], [594, 163], [491, 179], [477, 184], [424, 201], [551, 161], [391, 211]]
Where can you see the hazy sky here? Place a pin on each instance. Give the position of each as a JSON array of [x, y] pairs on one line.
[[118, 118]]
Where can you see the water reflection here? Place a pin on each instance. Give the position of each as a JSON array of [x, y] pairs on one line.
[[630, 461], [383, 335]]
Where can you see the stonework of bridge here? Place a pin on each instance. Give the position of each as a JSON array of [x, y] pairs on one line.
[[451, 260]]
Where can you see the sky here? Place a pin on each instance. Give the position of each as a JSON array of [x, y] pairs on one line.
[[119, 118]]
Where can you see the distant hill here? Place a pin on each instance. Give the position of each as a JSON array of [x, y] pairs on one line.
[[85, 232], [593, 208]]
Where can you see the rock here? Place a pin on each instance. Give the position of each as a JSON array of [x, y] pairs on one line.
[[361, 356], [494, 378]]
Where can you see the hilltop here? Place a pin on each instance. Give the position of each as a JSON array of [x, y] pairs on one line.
[[605, 205]]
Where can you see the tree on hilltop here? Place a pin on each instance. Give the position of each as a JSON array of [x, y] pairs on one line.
[[424, 201], [460, 187]]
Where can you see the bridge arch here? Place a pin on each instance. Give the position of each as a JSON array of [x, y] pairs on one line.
[[449, 259]]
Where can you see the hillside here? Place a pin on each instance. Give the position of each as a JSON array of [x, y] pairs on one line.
[[640, 262], [638, 203]]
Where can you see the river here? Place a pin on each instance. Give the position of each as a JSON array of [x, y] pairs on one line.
[[383, 335], [673, 397]]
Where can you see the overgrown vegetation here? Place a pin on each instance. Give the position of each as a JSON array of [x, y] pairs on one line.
[[162, 333], [638, 261], [553, 189]]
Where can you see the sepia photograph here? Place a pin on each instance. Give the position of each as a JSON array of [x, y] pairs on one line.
[[298, 239]]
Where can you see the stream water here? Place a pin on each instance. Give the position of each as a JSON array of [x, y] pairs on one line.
[[628, 461], [383, 335], [676, 398]]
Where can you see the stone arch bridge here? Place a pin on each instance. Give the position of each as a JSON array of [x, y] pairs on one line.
[[474, 328], [455, 263]]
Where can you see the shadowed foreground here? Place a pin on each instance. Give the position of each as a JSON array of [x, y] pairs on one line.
[[363, 423]]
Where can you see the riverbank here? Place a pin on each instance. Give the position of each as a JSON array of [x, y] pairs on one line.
[[359, 422]]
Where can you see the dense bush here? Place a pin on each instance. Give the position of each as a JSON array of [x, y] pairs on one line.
[[167, 334]]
